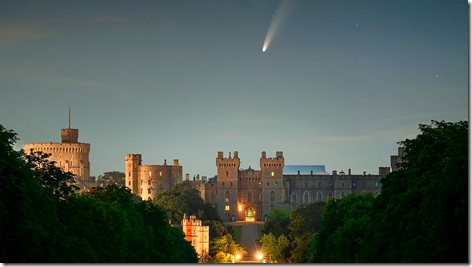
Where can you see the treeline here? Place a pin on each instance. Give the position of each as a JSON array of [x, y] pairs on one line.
[[184, 199], [43, 220], [421, 216]]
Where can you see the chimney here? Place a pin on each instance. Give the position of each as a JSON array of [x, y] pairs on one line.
[[279, 154], [229, 155], [187, 177], [364, 173], [299, 172], [263, 155], [349, 171], [165, 162], [335, 172], [235, 154], [176, 162], [311, 172], [220, 154]]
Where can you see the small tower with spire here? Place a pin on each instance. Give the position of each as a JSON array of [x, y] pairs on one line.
[[69, 135]]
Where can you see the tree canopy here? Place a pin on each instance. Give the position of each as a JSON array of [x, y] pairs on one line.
[[113, 177]]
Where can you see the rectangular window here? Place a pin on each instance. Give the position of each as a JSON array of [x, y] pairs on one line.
[[272, 174], [227, 208], [319, 184], [223, 183], [231, 184], [354, 184], [160, 173], [276, 183], [376, 184], [267, 183]]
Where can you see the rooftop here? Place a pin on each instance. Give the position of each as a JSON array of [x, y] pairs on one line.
[[304, 169]]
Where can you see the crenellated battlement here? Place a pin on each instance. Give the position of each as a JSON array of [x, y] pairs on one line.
[[52, 147]]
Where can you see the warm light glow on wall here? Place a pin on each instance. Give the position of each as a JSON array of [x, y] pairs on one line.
[[240, 207]]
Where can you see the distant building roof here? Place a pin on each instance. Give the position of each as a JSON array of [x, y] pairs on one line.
[[304, 169]]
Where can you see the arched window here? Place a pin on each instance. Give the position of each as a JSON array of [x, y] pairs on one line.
[[306, 197], [272, 196], [249, 197], [330, 195], [376, 193], [363, 192], [320, 196], [149, 182], [212, 197], [293, 197], [149, 190], [343, 194], [227, 196]]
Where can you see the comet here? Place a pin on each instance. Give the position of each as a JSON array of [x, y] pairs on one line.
[[284, 11]]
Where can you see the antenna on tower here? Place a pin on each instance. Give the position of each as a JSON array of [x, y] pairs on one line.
[[69, 113]]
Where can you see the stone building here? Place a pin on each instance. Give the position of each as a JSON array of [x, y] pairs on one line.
[[248, 194], [146, 181], [70, 155], [197, 234]]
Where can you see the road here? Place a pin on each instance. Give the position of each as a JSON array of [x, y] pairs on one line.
[[249, 239]]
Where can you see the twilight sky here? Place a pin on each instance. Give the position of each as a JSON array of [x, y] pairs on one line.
[[340, 84]]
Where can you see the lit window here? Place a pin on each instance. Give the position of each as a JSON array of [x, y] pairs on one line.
[[227, 208], [376, 184], [227, 196], [272, 174], [160, 173], [354, 184]]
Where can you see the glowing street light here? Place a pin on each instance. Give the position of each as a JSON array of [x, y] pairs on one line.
[[238, 256], [259, 256]]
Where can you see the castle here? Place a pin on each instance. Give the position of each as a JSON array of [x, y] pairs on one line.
[[251, 195], [70, 155], [197, 234], [147, 181]]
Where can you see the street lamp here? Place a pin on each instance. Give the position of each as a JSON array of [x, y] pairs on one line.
[[238, 257], [259, 256]]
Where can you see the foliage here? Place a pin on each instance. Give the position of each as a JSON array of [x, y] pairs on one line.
[[303, 227], [225, 249], [422, 213], [109, 178], [183, 198], [277, 223], [343, 225], [275, 248]]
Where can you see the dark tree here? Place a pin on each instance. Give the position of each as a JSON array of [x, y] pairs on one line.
[[422, 213], [109, 178]]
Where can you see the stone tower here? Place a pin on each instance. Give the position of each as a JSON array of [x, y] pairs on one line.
[[272, 178], [227, 177], [133, 161], [70, 155]]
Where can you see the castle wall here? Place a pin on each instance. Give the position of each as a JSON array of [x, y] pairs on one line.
[[197, 234], [72, 157]]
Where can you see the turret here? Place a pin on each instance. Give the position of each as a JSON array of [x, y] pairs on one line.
[[133, 161]]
